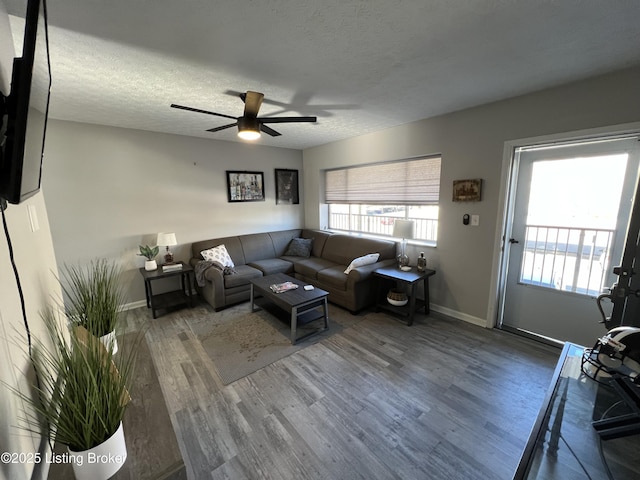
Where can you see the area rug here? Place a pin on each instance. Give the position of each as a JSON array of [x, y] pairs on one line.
[[240, 342]]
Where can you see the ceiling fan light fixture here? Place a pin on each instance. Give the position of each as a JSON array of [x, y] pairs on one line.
[[248, 128], [249, 134]]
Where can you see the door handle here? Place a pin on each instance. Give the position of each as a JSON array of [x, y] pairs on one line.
[[513, 240]]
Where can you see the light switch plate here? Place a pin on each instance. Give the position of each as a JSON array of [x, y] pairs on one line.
[[475, 220]]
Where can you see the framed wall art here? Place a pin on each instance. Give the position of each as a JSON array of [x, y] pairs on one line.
[[287, 186], [245, 186], [467, 190]]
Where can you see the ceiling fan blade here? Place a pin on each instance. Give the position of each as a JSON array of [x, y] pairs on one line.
[[252, 103], [224, 127], [191, 109], [287, 119], [235, 93], [269, 131]]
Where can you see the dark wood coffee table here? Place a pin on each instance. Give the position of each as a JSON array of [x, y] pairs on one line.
[[304, 306]]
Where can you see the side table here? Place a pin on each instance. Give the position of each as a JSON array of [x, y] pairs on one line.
[[173, 298], [410, 278]]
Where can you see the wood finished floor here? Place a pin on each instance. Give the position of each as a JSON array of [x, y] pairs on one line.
[[442, 399]]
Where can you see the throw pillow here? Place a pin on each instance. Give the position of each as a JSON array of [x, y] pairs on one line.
[[361, 261], [218, 255], [299, 247]]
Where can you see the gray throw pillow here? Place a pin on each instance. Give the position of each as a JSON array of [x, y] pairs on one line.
[[299, 247]]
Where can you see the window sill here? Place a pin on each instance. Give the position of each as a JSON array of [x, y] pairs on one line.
[[416, 242]]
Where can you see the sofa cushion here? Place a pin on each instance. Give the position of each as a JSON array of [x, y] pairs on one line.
[[218, 255], [282, 238], [361, 261], [299, 247], [333, 276], [257, 246], [319, 239], [270, 266], [341, 249], [244, 274], [232, 244], [293, 260], [309, 267]]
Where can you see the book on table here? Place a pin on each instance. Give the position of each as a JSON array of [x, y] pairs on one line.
[[172, 267], [283, 287]]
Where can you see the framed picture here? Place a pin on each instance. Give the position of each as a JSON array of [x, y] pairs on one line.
[[245, 186], [287, 186], [467, 190]]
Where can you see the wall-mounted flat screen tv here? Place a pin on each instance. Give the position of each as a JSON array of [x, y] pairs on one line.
[[27, 108]]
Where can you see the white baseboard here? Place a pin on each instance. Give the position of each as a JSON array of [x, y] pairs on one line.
[[481, 322], [143, 303], [132, 305]]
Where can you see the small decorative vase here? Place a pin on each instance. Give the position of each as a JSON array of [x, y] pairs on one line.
[[422, 262], [403, 258], [403, 261], [101, 461], [110, 341], [150, 265]]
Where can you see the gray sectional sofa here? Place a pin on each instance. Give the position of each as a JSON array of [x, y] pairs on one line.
[[259, 254]]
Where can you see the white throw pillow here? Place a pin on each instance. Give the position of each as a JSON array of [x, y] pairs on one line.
[[364, 260], [219, 255]]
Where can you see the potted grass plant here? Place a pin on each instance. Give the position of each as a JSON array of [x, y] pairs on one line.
[[150, 254], [94, 297], [81, 396]]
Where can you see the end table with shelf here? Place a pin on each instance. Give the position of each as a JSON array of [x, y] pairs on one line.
[[171, 299], [411, 279]]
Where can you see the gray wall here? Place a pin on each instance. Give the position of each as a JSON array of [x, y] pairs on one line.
[[109, 190], [472, 143], [36, 263]]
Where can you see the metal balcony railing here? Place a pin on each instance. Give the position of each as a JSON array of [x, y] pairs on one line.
[[570, 259], [425, 229]]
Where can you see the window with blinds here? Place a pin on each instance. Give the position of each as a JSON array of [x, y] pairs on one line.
[[408, 182], [370, 198]]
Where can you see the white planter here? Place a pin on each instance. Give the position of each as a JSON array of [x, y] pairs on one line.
[[102, 461], [110, 340], [150, 265]]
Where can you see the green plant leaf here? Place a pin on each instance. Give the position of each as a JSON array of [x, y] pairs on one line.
[[83, 386], [149, 252], [94, 296]]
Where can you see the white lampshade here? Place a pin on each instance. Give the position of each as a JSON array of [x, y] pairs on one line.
[[403, 228], [166, 239]]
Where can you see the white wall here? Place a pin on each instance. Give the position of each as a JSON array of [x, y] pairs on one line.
[[111, 189], [471, 143], [35, 261]]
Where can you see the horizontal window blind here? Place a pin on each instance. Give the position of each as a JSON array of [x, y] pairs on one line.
[[407, 182]]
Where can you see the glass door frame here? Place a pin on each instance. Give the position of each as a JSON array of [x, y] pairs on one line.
[[508, 183]]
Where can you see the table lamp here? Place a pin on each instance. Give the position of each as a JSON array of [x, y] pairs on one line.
[[167, 240], [403, 229]]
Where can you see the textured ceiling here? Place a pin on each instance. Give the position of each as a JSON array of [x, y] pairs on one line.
[[358, 65]]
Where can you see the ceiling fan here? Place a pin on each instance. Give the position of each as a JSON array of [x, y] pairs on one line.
[[249, 124]]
